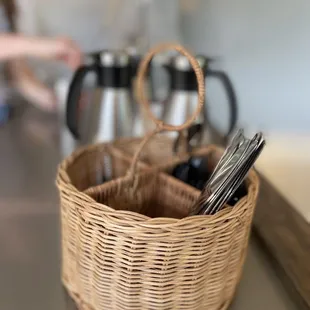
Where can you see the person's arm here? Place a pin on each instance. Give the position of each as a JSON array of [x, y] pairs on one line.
[[30, 87], [14, 46]]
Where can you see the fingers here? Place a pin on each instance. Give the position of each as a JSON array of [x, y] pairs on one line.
[[63, 49], [69, 52], [45, 100], [42, 98]]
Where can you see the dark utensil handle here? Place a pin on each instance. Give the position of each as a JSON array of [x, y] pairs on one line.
[[73, 99], [194, 131]]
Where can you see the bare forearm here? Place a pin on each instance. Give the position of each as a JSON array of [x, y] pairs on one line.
[[21, 73], [18, 69], [15, 46], [30, 87]]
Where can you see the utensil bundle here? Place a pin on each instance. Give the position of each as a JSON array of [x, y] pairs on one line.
[[229, 173]]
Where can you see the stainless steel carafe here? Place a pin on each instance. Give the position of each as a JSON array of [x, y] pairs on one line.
[[67, 141], [183, 97], [182, 101], [110, 114]]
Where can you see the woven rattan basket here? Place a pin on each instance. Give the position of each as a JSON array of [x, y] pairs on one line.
[[129, 244]]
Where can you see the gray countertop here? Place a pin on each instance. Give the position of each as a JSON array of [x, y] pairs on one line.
[[30, 257]]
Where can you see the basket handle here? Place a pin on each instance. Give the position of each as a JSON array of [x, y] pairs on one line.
[[142, 99]]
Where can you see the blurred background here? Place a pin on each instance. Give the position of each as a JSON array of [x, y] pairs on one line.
[[262, 46]]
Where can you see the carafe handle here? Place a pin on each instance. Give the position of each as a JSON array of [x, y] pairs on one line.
[[74, 93], [231, 96]]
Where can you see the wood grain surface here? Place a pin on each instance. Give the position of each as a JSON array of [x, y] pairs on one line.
[[287, 236]]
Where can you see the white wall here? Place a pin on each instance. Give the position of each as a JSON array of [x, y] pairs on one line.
[[100, 24], [265, 47]]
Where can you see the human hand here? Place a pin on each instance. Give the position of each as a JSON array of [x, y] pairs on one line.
[[31, 88], [62, 48], [18, 46], [38, 94]]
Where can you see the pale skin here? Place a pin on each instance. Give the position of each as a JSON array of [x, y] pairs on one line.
[[16, 48]]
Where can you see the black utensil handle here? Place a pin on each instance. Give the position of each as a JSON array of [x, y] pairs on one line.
[[195, 130], [231, 95], [73, 99]]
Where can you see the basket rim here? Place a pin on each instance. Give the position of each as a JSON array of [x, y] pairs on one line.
[[134, 219]]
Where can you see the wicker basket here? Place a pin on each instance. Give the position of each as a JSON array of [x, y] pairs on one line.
[[128, 244]]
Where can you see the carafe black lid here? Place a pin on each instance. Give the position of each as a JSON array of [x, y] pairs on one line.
[[114, 59], [182, 74], [113, 68]]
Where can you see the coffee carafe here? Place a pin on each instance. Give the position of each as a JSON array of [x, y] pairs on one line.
[[182, 101], [215, 136], [67, 142], [183, 97], [110, 114]]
